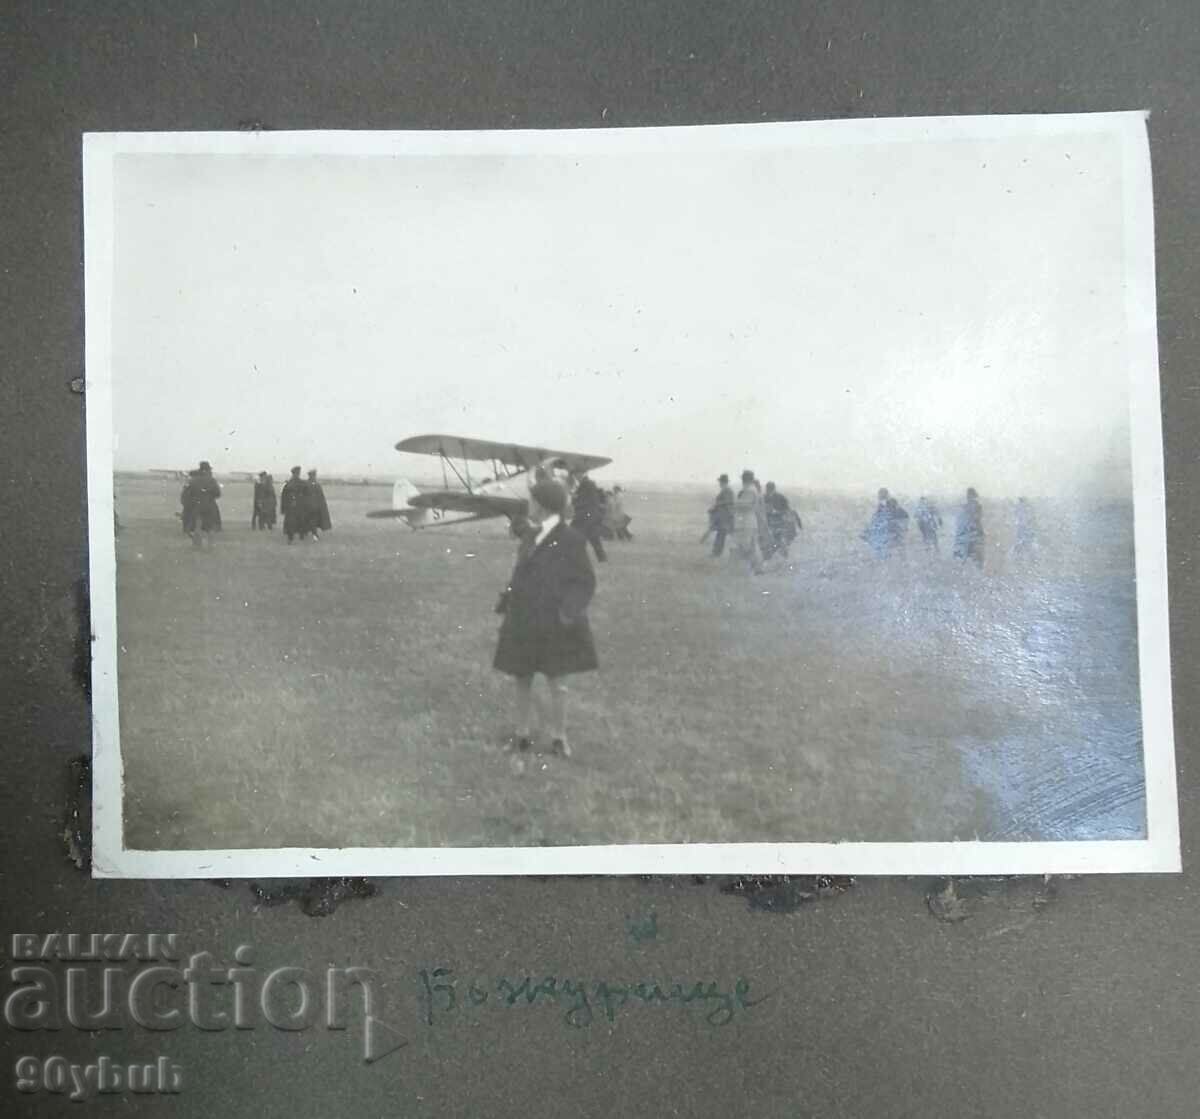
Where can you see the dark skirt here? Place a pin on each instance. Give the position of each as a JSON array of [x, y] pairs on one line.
[[530, 643], [295, 521], [207, 516]]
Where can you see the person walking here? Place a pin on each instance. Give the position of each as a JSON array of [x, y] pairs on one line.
[[929, 521], [748, 518], [187, 502], [588, 504], [617, 517], [969, 536], [886, 531], [293, 504], [545, 628], [317, 508], [720, 515], [783, 522], [206, 492], [265, 502]]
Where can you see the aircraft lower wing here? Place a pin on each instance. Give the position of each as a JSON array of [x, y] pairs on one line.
[[416, 518], [479, 505]]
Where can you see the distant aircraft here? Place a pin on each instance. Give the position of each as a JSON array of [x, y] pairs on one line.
[[184, 475], [503, 493]]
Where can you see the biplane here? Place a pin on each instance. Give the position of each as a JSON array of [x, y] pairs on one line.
[[504, 492], [184, 475]]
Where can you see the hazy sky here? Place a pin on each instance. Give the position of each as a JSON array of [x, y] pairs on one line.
[[923, 315]]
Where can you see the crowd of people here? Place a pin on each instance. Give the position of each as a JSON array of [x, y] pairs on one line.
[[301, 503], [544, 628], [887, 531], [303, 507], [201, 514], [599, 515], [762, 523], [759, 521]]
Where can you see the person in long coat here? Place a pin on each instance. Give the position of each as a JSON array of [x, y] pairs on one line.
[[749, 520], [783, 522], [545, 628], [293, 504], [187, 502], [206, 492], [888, 526], [588, 503], [318, 508], [968, 530], [265, 503], [616, 515]]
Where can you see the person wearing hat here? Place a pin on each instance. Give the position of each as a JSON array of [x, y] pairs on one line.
[[748, 519], [293, 504], [588, 505], [783, 522], [206, 514], [616, 514], [545, 627], [318, 508], [720, 515], [265, 503]]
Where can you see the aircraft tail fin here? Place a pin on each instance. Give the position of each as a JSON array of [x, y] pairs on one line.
[[402, 490]]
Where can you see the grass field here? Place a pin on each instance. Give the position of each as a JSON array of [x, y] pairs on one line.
[[341, 693]]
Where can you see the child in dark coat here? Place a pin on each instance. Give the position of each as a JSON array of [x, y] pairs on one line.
[[545, 627]]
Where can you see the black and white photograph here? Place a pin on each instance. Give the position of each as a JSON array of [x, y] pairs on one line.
[[737, 498]]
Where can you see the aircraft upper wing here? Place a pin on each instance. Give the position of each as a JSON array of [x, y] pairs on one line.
[[459, 501], [511, 454]]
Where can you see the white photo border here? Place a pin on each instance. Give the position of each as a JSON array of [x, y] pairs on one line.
[[1159, 852]]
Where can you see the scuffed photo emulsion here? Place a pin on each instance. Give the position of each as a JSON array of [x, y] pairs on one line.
[[751, 498]]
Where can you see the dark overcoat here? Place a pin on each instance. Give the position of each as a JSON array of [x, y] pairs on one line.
[[968, 532], [545, 627], [265, 502], [206, 492], [588, 507], [318, 509], [293, 504], [721, 515]]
